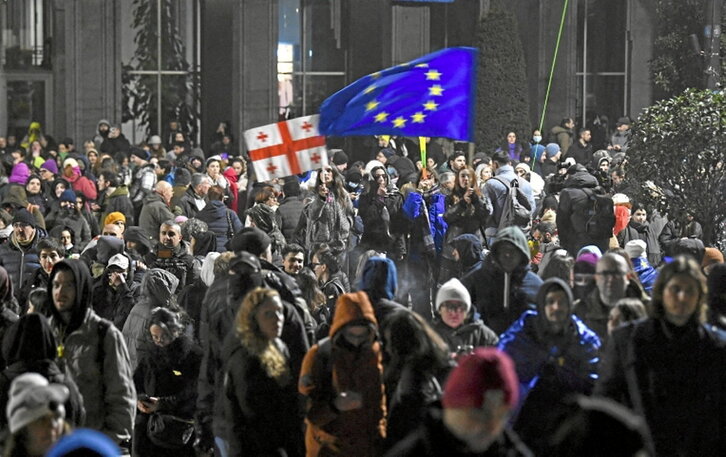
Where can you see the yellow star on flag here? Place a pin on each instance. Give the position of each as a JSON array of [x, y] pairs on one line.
[[422, 65], [418, 118], [399, 122], [381, 117], [430, 105], [433, 75], [436, 90], [376, 75], [370, 89], [371, 105]]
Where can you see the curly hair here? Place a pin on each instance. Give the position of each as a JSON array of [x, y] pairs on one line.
[[252, 339]]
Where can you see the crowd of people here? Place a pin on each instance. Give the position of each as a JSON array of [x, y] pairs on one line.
[[511, 302]]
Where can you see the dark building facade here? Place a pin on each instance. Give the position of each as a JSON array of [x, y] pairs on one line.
[[251, 62]]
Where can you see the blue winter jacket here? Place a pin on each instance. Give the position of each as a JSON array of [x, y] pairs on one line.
[[569, 359]]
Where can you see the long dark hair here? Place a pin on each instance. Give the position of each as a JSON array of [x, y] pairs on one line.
[[686, 266]]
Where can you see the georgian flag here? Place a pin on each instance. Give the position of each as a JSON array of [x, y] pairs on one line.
[[286, 148]]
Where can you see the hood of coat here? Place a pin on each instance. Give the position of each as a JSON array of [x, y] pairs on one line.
[[16, 196], [29, 339], [515, 236], [469, 248], [549, 285], [140, 237], [263, 216], [107, 247], [580, 179], [205, 242], [379, 279], [84, 291], [230, 174], [120, 191], [207, 271], [159, 286], [373, 173], [353, 308]]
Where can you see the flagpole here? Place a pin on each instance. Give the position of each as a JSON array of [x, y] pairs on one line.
[[422, 147]]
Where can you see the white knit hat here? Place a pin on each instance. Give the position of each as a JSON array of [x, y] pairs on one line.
[[453, 290], [32, 397], [635, 248]]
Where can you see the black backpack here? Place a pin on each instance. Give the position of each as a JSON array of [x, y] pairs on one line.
[[517, 209], [599, 215]]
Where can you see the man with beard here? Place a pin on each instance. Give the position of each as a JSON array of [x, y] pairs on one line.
[[19, 255], [93, 351], [171, 254], [555, 355]]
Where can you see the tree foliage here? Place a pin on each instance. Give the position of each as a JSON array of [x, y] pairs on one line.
[[502, 97], [679, 145], [676, 66], [179, 98]]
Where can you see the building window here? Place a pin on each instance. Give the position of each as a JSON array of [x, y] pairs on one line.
[[161, 83], [310, 55], [26, 34], [603, 61]]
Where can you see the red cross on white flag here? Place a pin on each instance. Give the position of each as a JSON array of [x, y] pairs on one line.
[[286, 148]]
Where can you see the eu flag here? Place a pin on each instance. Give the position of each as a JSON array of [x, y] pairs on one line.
[[430, 96]]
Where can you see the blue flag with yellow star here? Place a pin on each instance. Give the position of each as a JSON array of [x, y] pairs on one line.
[[431, 96]]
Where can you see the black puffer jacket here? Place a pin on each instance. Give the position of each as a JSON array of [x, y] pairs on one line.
[[220, 220], [20, 261], [572, 210], [170, 374], [289, 210]]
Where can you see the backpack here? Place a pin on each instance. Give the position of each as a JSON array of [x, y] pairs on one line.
[[599, 215], [517, 209]]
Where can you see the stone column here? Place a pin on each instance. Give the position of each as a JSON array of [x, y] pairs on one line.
[[410, 34], [86, 66], [254, 94]]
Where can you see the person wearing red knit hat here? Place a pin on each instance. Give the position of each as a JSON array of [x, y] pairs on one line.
[[479, 396]]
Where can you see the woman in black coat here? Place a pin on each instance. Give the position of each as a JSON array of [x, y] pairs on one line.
[[671, 368], [166, 383], [261, 400], [418, 362]]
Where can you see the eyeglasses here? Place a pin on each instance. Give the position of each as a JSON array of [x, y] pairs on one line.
[[455, 307], [313, 264]]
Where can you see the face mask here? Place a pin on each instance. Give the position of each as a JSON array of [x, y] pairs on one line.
[[537, 139]]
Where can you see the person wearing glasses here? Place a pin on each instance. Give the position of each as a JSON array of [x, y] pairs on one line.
[[456, 323], [612, 277]]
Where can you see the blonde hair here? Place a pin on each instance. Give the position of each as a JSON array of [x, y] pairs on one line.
[[251, 337]]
